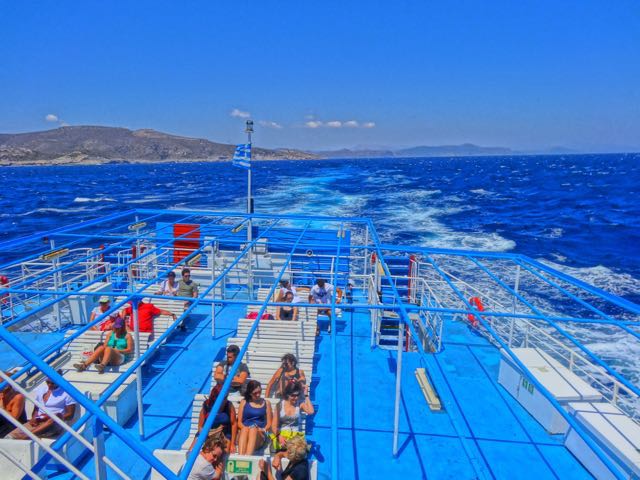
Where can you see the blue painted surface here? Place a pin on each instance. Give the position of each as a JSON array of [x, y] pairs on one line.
[[511, 442]]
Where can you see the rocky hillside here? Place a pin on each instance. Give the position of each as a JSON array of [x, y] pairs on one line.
[[90, 145]]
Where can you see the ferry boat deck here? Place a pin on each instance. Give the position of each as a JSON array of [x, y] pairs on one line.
[[403, 309]]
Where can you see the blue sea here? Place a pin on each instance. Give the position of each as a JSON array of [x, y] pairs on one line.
[[580, 213]]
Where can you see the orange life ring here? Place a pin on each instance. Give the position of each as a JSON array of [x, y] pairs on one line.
[[4, 282], [475, 302], [373, 257]]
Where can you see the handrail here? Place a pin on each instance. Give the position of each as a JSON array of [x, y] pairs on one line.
[[598, 449]]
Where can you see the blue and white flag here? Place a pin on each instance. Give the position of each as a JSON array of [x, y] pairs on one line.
[[242, 156]]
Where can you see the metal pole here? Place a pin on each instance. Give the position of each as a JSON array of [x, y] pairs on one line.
[[396, 416], [213, 291], [249, 130], [136, 337], [516, 287], [56, 285], [98, 445]]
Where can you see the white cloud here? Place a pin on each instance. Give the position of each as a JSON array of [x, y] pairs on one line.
[[269, 124], [51, 117], [351, 124], [237, 113], [368, 124], [334, 124], [313, 124]]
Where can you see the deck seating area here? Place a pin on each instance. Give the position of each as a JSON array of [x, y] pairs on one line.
[[272, 339]]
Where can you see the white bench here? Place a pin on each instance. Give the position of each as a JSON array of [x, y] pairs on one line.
[[277, 347], [612, 429], [564, 385]]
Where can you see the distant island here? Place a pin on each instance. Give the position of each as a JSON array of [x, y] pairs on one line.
[[90, 145]]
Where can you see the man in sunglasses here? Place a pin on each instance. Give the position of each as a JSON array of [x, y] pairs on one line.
[[58, 402]]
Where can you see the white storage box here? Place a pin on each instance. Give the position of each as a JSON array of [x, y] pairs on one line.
[[615, 431], [564, 385]]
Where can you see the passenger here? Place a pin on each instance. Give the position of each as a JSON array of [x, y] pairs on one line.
[[222, 370], [287, 374], [298, 466], [13, 403], [287, 417], [321, 293], [285, 287], [187, 287], [117, 349], [147, 311], [169, 287], [210, 462], [254, 419], [107, 323], [225, 420], [288, 312], [59, 402]]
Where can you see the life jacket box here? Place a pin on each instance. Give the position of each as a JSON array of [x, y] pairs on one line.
[[564, 385], [613, 430], [80, 306]]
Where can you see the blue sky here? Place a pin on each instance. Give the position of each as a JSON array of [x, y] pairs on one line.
[[522, 74]]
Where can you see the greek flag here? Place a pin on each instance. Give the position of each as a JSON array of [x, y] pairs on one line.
[[242, 156]]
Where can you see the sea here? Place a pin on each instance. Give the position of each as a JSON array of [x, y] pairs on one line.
[[577, 213]]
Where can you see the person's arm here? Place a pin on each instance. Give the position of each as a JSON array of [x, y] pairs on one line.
[[219, 375], [273, 380], [240, 377], [201, 419], [219, 469], [17, 406], [195, 290], [91, 319], [167, 312], [307, 406], [234, 427], [275, 422], [278, 313], [295, 313], [69, 412], [267, 427], [240, 413], [130, 347], [302, 378]]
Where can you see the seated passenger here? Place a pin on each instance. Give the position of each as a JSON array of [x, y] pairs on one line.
[[13, 403], [222, 370], [147, 312], [288, 312], [287, 417], [169, 287], [254, 419], [225, 420], [210, 462], [296, 469], [321, 293], [59, 403], [286, 287], [187, 287], [117, 349], [287, 374], [107, 323]]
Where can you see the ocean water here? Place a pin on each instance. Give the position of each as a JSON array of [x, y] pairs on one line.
[[578, 213]]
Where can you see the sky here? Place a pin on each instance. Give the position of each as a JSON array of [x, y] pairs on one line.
[[526, 74]]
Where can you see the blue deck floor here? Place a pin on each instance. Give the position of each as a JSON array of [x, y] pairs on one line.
[[508, 442]]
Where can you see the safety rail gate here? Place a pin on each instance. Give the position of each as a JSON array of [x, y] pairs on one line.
[[519, 302]]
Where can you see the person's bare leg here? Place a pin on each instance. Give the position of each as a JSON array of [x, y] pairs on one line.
[[108, 355], [251, 440], [242, 441]]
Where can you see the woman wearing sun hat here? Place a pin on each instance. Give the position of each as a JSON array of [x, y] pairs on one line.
[[107, 323], [117, 349]]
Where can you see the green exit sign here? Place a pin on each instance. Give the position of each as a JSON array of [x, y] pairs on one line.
[[240, 466]]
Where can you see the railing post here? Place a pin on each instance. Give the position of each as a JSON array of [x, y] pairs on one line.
[[213, 291], [396, 414], [136, 331], [516, 287], [56, 286], [511, 327], [98, 445]]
